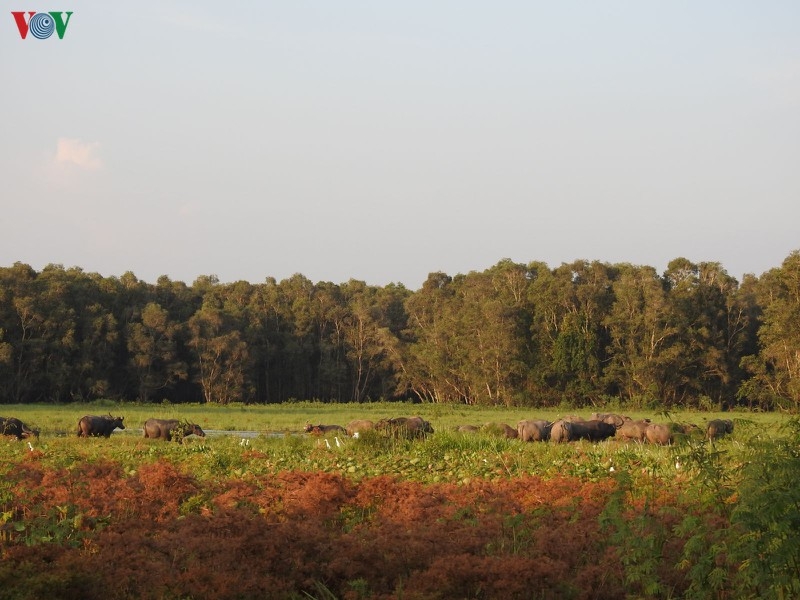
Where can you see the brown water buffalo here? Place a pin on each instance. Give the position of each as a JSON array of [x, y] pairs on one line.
[[357, 426], [323, 429], [573, 419], [658, 434], [404, 427], [94, 426], [687, 429], [612, 418], [14, 427], [633, 430], [534, 430], [560, 431], [718, 427], [468, 428], [171, 429], [500, 429], [594, 431]]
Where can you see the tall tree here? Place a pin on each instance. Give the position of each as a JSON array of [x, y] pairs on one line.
[[570, 304], [493, 323], [221, 354], [775, 370], [641, 333], [153, 348], [428, 363]]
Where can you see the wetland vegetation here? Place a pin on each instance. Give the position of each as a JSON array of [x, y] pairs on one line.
[[467, 515]]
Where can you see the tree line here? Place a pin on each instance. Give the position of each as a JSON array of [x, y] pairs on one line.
[[514, 335]]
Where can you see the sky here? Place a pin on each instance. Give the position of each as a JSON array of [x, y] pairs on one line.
[[383, 141]]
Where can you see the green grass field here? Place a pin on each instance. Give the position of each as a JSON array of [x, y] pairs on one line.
[[447, 455], [60, 420]]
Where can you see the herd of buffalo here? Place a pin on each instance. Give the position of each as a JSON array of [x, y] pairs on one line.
[[103, 426], [599, 427]]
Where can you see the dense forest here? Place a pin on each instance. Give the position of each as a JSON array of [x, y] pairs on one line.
[[514, 335]]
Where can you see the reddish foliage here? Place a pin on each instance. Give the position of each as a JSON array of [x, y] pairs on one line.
[[277, 536]]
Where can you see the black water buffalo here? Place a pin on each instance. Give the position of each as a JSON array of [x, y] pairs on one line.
[[594, 431], [718, 427], [323, 429], [171, 429], [94, 426], [15, 427], [405, 427]]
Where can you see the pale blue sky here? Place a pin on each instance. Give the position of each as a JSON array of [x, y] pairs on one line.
[[382, 141]]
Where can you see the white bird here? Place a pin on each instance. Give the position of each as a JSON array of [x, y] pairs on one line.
[[327, 443], [611, 470], [355, 435], [677, 465], [30, 446], [338, 443]]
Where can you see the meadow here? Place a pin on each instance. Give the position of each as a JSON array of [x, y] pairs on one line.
[[284, 514], [288, 417]]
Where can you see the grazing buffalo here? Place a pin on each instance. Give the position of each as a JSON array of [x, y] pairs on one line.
[[15, 427], [658, 434], [94, 426], [405, 427], [323, 429], [560, 431], [358, 425], [633, 430], [594, 431], [718, 427], [468, 428], [501, 429], [534, 430], [612, 418], [573, 419], [171, 429]]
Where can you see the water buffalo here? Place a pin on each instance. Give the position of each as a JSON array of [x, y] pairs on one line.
[[560, 431], [594, 431], [15, 427], [612, 418], [323, 429], [658, 434], [358, 425], [468, 428], [573, 419], [718, 427], [171, 429], [94, 426], [501, 429], [633, 430], [405, 427], [534, 430]]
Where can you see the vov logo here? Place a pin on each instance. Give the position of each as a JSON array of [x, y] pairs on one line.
[[41, 25]]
